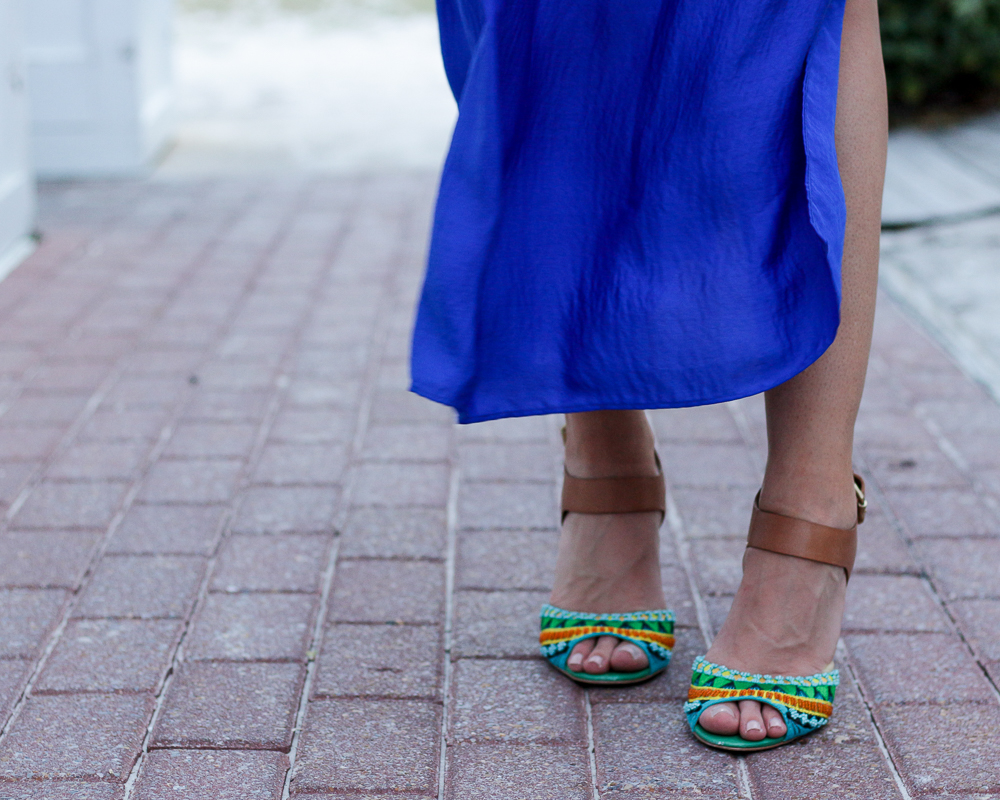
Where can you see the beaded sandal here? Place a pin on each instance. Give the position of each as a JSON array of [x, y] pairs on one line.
[[651, 631], [805, 703]]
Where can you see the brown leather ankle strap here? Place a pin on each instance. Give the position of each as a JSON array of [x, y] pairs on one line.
[[614, 495], [803, 539]]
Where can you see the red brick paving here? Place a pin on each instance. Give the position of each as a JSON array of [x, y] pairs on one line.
[[110, 655], [523, 702], [167, 530], [13, 674], [380, 661], [287, 563], [294, 509], [373, 590], [482, 772], [220, 496], [512, 505], [369, 746], [646, 750], [142, 586], [82, 736], [28, 616], [44, 559], [384, 532], [215, 774], [506, 559], [252, 626], [61, 790], [230, 705]]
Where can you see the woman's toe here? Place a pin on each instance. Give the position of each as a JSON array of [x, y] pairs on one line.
[[722, 719], [578, 654], [628, 657], [751, 722], [599, 660], [773, 723]]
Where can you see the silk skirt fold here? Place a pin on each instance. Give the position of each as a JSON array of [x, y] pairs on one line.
[[640, 207]]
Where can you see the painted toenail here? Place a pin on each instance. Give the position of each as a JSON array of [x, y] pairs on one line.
[[597, 661], [753, 725], [633, 651], [575, 661]]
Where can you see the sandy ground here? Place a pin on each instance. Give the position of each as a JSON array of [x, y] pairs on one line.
[[341, 88]]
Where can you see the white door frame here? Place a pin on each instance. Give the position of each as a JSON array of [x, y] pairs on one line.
[[17, 184]]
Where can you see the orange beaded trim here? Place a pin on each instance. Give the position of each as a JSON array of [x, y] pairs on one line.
[[818, 708], [551, 635]]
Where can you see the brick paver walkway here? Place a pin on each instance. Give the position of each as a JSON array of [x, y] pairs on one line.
[[240, 561]]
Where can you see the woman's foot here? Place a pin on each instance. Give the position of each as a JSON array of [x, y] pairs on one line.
[[785, 620], [609, 562]]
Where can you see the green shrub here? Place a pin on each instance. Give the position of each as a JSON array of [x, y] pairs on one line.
[[941, 51]]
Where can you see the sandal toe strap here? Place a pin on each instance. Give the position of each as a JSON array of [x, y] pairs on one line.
[[652, 631], [805, 703], [653, 644]]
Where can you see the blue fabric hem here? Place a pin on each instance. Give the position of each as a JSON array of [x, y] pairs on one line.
[[442, 396]]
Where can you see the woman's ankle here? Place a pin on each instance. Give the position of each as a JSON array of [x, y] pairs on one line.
[[603, 444], [826, 499]]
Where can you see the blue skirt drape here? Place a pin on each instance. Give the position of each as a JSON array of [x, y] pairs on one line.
[[641, 206]]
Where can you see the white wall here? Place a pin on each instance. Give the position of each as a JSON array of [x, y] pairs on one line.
[[17, 191], [99, 81]]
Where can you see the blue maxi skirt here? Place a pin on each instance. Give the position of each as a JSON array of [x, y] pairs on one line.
[[641, 206]]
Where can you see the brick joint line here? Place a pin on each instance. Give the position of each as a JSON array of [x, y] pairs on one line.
[[451, 545], [59, 628], [262, 262], [377, 342]]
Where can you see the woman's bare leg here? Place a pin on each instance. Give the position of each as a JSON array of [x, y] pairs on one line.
[[608, 562], [787, 612]]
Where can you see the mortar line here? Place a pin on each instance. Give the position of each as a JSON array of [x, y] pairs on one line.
[[739, 417], [743, 777], [454, 485], [879, 739], [312, 657], [873, 490], [70, 326], [591, 745], [55, 635], [676, 525], [330, 572], [949, 449], [952, 453], [274, 403], [115, 372], [369, 384]]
